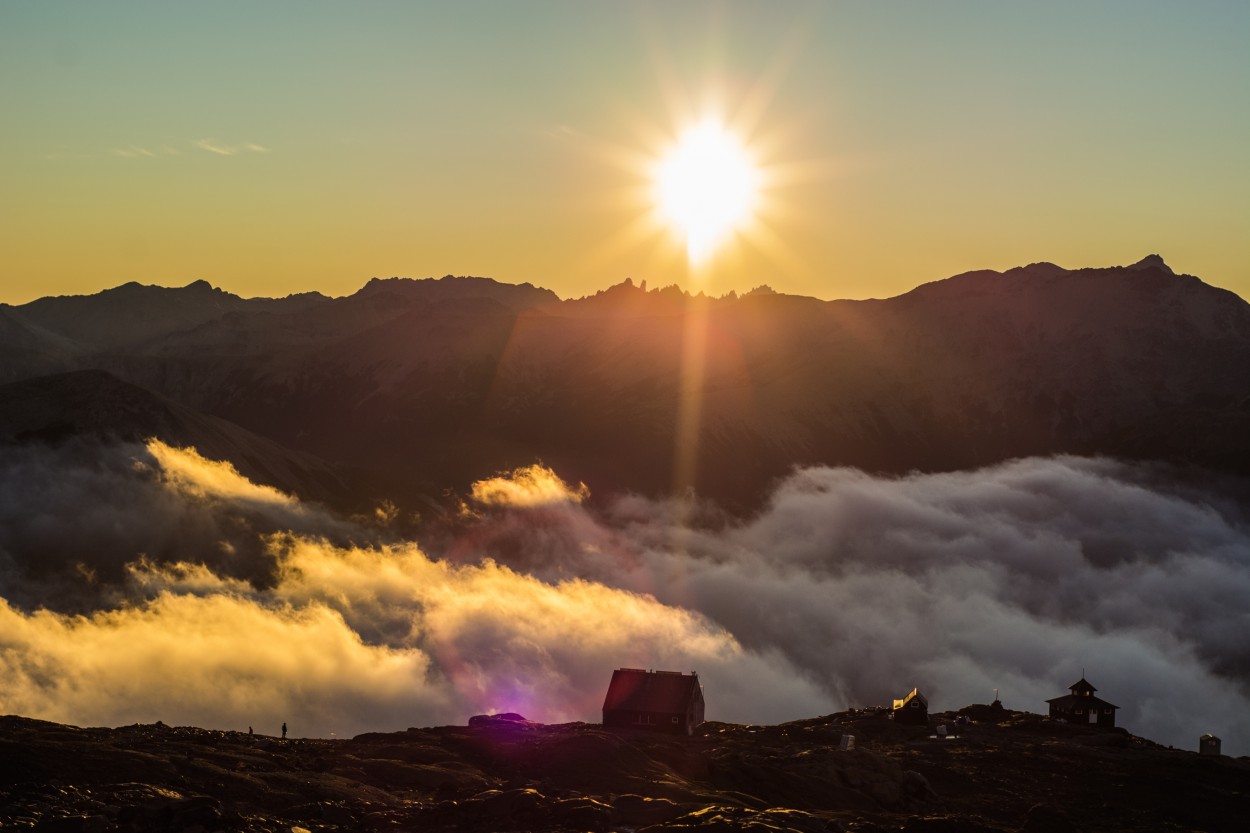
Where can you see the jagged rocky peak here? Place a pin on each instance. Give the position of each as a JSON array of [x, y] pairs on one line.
[[457, 288], [624, 286], [1152, 262]]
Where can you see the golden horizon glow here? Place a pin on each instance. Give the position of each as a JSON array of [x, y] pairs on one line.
[[706, 187], [887, 156]]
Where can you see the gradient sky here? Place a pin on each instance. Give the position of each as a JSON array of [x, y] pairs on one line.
[[281, 147]]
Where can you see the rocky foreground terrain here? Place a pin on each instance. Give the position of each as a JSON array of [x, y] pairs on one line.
[[1006, 771]]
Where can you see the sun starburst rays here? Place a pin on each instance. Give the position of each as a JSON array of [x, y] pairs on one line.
[[705, 187]]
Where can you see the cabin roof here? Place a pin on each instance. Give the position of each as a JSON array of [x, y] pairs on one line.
[[1081, 699], [914, 694], [633, 689], [1081, 685]]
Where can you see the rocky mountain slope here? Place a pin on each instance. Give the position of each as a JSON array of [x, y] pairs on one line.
[[1006, 771], [432, 384], [95, 407]]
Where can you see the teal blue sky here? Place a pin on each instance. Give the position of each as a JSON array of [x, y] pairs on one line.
[[281, 147]]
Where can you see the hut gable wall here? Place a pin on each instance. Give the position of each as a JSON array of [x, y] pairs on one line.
[[667, 701]]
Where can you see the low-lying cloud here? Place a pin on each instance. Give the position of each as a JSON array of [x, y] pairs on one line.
[[218, 602], [1019, 578], [534, 485], [72, 518], [328, 636]]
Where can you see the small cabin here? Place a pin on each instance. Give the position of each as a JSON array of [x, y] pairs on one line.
[[912, 709], [1081, 706], [1208, 744], [663, 701]]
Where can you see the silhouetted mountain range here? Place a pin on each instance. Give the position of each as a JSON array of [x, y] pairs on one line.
[[428, 384]]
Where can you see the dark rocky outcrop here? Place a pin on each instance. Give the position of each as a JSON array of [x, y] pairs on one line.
[[1021, 773]]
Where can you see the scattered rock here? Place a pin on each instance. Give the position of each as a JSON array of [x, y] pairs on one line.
[[505, 720]]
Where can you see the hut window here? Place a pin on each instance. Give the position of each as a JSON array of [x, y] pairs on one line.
[[1106, 711], [674, 719], [1080, 711]]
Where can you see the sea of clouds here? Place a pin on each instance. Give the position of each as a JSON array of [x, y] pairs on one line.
[[140, 583]]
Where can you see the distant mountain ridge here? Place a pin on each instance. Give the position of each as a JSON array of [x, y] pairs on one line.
[[134, 312], [430, 384], [97, 406]]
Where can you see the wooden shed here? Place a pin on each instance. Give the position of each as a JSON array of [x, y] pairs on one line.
[[664, 701], [1081, 706]]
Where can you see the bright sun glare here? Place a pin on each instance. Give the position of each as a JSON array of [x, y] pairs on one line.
[[706, 187]]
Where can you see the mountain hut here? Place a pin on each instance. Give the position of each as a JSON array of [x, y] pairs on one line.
[[664, 701], [912, 709], [1081, 706], [1208, 744]]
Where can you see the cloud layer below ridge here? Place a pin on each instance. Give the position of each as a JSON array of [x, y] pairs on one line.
[[150, 583]]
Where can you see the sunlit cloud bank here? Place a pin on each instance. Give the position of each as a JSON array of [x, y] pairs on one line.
[[534, 485], [348, 641], [186, 471], [845, 590], [72, 518], [331, 638]]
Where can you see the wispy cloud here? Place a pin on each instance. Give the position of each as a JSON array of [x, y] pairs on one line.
[[213, 146], [222, 149], [563, 131], [134, 152]]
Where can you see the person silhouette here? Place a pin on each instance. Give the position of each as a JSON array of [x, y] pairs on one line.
[[284, 731], [249, 731]]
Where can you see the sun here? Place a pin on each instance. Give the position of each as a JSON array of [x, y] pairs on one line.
[[706, 187]]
